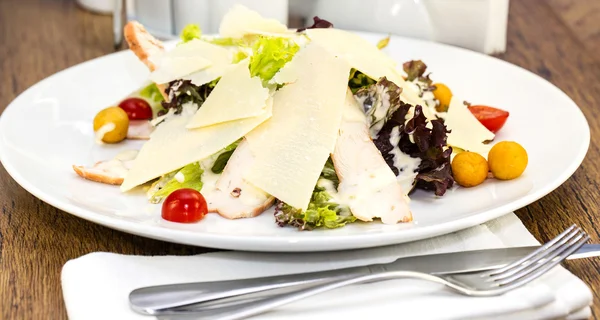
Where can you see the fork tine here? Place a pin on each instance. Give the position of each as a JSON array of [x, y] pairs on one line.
[[495, 275], [535, 270], [543, 248], [552, 263]]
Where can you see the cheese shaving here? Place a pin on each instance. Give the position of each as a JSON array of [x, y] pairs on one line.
[[467, 132], [240, 21], [183, 60], [365, 57], [293, 146], [173, 146], [236, 96]]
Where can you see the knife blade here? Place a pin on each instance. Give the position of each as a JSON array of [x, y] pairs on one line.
[[155, 300]]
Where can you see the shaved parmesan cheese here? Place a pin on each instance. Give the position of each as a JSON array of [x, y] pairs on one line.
[[220, 58], [240, 21], [175, 68], [292, 147], [236, 96], [172, 146], [349, 44], [467, 132], [365, 57], [183, 60]]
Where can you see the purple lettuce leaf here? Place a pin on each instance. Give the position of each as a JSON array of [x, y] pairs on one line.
[[434, 172], [318, 23]]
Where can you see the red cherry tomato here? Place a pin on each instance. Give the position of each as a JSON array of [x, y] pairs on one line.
[[492, 118], [185, 206], [136, 109]]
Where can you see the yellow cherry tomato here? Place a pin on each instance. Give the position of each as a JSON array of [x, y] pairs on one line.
[[507, 160], [111, 125], [443, 94], [469, 169]]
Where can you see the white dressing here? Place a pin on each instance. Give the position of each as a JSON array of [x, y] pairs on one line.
[[180, 177], [117, 166], [407, 166], [209, 178], [106, 128]]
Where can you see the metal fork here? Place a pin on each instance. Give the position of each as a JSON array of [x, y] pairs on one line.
[[479, 284]]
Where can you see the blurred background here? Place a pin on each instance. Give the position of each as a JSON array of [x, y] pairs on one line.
[[478, 25]]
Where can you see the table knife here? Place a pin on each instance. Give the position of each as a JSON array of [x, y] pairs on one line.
[[160, 299]]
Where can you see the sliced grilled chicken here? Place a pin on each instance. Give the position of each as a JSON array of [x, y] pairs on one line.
[[233, 197], [146, 47], [111, 171], [139, 130], [367, 184]]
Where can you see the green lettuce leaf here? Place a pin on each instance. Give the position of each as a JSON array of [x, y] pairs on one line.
[[322, 211], [193, 31], [223, 158], [191, 176], [269, 54], [190, 32], [358, 80], [239, 56], [151, 92], [226, 42]]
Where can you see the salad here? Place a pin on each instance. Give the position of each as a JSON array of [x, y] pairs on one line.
[[317, 123]]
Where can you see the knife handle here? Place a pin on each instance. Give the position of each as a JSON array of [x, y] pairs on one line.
[[173, 298]]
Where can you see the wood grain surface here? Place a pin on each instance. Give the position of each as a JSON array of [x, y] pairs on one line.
[[41, 37]]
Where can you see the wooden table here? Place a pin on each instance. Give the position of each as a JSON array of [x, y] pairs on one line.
[[555, 39]]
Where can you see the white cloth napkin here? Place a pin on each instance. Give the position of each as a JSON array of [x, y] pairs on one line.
[[96, 286]]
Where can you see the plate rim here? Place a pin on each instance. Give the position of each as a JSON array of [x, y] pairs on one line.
[[261, 243]]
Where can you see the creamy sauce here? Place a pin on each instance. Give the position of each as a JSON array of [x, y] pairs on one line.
[[179, 177], [332, 191], [118, 166], [376, 113], [361, 184], [380, 110], [139, 129], [421, 88], [374, 193], [113, 167], [209, 179], [361, 101], [406, 165], [154, 122], [103, 131], [395, 137], [126, 155], [429, 109], [188, 109]]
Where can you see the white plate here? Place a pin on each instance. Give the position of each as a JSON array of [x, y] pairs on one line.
[[49, 127]]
